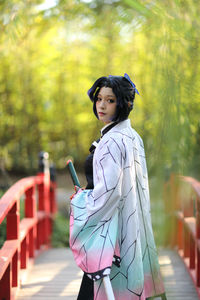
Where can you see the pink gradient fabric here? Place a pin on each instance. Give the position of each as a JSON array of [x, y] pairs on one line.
[[110, 226]]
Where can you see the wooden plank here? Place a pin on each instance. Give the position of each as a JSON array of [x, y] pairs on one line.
[[56, 276], [178, 283], [53, 276]]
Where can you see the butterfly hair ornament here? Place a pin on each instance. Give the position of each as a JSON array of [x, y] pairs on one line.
[[131, 82]]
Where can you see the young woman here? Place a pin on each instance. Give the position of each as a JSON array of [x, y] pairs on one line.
[[110, 227]]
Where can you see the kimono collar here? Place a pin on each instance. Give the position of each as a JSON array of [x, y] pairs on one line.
[[115, 126], [106, 128]]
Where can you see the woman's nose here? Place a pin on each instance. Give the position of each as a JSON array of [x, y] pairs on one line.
[[102, 104]]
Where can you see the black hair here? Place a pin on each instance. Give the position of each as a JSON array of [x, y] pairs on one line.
[[123, 90]]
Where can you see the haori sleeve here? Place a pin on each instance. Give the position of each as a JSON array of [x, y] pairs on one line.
[[107, 169], [94, 213]]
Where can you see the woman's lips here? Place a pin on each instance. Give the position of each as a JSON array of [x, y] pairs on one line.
[[101, 113]]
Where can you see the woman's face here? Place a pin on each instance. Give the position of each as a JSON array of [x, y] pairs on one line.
[[106, 105]]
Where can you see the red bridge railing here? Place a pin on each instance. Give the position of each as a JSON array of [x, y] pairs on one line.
[[30, 235], [182, 202]]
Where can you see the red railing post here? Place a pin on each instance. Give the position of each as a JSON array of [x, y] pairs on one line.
[[186, 245], [32, 239], [5, 284], [15, 270], [30, 203], [29, 244], [38, 243], [192, 252], [24, 253], [13, 222], [13, 219], [180, 234], [198, 217]]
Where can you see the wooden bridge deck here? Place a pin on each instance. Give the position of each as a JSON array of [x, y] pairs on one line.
[[55, 276]]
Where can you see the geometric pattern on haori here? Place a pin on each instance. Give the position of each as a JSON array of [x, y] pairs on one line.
[[113, 221], [98, 275], [102, 273]]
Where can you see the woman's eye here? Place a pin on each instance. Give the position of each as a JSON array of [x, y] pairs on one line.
[[98, 99], [111, 101]]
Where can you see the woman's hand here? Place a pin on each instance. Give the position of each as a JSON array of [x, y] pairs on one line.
[[77, 189]]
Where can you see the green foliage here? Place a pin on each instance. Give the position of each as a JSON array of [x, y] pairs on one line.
[[2, 226], [50, 56], [2, 233], [60, 235]]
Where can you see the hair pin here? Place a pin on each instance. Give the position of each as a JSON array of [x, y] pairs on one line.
[[131, 82]]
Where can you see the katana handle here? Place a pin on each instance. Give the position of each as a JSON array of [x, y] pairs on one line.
[[73, 174]]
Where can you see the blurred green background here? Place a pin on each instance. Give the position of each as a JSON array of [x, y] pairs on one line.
[[52, 51]]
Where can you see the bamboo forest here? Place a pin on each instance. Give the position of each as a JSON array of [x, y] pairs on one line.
[[52, 51]]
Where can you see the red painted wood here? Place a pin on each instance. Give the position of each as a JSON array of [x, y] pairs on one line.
[[44, 205], [42, 197], [26, 225], [23, 237], [13, 222], [32, 236], [38, 235], [186, 245], [15, 269], [5, 285], [6, 253], [180, 234], [186, 195], [23, 253], [44, 193], [192, 252], [192, 273], [14, 193], [198, 216], [30, 203]]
